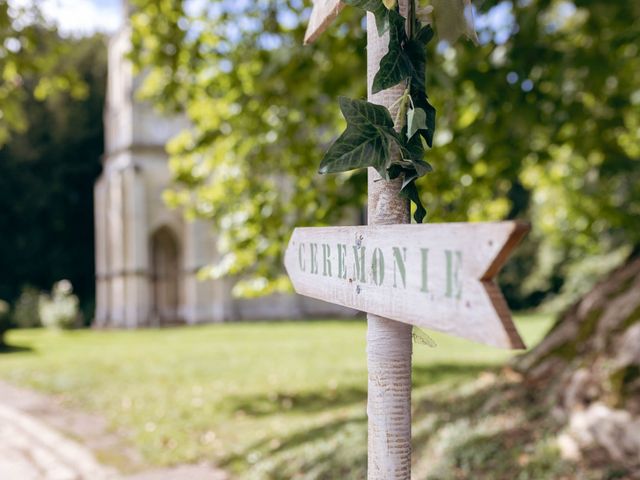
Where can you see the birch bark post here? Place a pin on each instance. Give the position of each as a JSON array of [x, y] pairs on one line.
[[389, 346]]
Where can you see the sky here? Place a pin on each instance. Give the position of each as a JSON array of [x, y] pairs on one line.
[[81, 16]]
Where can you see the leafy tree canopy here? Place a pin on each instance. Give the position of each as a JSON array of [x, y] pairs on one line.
[[47, 174], [262, 111], [538, 121], [29, 50]]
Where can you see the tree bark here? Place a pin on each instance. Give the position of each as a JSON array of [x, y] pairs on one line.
[[587, 369], [388, 342]]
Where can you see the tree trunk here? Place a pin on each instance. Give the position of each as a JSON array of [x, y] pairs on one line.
[[588, 369], [389, 345]]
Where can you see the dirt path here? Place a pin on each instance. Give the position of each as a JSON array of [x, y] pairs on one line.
[[42, 440], [31, 450]]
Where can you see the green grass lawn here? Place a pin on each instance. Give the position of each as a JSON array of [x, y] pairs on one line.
[[253, 397]]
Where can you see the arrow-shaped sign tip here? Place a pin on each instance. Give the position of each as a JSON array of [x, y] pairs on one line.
[[518, 230]]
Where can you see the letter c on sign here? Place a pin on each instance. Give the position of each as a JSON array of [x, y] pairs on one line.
[[303, 264]]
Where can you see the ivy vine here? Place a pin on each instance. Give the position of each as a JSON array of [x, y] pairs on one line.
[[371, 132]]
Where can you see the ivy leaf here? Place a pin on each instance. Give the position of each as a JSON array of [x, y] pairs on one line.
[[430, 122], [416, 51], [422, 167], [379, 10], [411, 192], [365, 142], [409, 189], [413, 152], [416, 120], [395, 170], [421, 101], [396, 65], [424, 34], [390, 4]]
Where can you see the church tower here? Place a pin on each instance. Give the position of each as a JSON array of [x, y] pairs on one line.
[[147, 256]]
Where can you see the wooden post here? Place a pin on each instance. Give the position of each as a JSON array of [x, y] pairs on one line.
[[388, 342], [479, 314]]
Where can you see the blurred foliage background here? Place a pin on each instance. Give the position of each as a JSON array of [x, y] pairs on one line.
[[540, 121], [51, 140]]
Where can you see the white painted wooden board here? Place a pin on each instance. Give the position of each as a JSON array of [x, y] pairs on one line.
[[437, 276], [324, 12]]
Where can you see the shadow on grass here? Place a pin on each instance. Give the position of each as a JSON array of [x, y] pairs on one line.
[[4, 349], [484, 444], [424, 376], [320, 400], [494, 455], [337, 448], [490, 399], [312, 443], [296, 439], [500, 455], [299, 402]]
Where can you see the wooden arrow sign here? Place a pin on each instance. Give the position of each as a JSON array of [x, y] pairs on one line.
[[324, 12], [437, 276]]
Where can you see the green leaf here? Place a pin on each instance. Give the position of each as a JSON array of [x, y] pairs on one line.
[[395, 170], [421, 100], [411, 192], [409, 189], [416, 120], [413, 152], [424, 34], [379, 10], [396, 65], [365, 142], [430, 122], [416, 49], [411, 167], [409, 174]]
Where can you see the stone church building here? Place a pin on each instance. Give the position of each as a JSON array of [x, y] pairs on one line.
[[148, 256]]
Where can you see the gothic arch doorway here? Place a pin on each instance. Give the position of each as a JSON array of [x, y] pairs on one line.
[[165, 277]]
